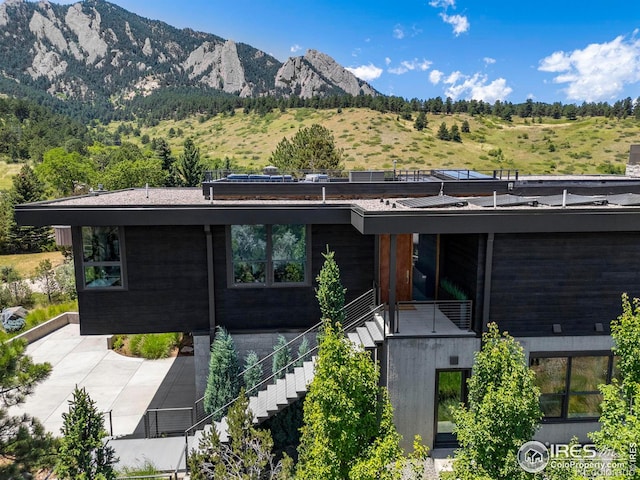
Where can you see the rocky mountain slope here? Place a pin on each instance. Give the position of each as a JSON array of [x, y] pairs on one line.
[[95, 50]]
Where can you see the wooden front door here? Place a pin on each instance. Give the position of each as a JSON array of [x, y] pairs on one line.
[[404, 267]]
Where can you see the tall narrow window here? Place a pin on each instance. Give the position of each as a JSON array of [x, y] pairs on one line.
[[101, 257], [268, 254]]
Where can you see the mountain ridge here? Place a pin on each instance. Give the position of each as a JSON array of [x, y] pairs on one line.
[[95, 50]]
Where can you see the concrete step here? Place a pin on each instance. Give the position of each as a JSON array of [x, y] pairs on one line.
[[309, 366], [222, 429], [272, 406], [374, 331], [365, 338], [262, 414], [291, 392], [354, 338], [253, 406], [281, 392], [300, 384]]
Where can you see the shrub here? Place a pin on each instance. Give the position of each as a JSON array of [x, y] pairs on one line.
[[158, 345]]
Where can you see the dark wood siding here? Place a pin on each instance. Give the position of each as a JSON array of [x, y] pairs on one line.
[[290, 308], [166, 285], [574, 280]]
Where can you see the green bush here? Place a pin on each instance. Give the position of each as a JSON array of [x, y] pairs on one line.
[[134, 344], [158, 345]]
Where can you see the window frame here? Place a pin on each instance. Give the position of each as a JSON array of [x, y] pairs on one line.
[[568, 393], [269, 261], [106, 263]]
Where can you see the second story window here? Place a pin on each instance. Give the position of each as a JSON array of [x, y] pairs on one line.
[[268, 255], [102, 257]]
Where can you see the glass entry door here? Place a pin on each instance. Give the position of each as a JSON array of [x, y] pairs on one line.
[[451, 390]]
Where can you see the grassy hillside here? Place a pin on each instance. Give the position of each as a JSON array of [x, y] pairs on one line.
[[373, 140]]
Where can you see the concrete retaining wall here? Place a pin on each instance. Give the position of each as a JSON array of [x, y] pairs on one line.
[[44, 329]]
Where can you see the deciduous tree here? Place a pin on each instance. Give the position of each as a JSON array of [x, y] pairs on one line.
[[620, 418], [502, 411]]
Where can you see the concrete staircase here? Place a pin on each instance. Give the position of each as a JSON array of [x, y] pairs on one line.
[[279, 395]]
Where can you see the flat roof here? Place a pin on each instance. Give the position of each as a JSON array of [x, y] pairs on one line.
[[471, 214]]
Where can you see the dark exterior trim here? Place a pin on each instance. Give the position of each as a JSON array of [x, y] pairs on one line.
[[541, 219], [211, 280], [40, 215], [488, 272]]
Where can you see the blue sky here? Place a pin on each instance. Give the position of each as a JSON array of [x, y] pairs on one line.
[[561, 50]]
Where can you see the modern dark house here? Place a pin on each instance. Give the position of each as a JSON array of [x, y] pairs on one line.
[[443, 253]]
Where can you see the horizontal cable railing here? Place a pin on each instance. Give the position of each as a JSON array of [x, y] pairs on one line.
[[349, 325], [353, 310], [158, 476], [160, 422], [458, 312]]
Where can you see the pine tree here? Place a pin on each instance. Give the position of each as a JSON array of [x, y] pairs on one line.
[[443, 132], [26, 189], [303, 350], [281, 358], [465, 126], [455, 133], [24, 444], [330, 292], [252, 372], [310, 148], [189, 166], [247, 456], [421, 122], [223, 383], [83, 455]]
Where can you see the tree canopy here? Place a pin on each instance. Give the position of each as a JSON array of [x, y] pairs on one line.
[[311, 148]]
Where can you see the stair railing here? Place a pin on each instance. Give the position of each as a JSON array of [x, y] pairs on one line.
[[353, 310]]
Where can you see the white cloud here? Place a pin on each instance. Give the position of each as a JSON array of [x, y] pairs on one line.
[[366, 72], [295, 48], [598, 72], [489, 60], [435, 76], [398, 32], [443, 3], [476, 87], [387, 61], [407, 66], [460, 23]]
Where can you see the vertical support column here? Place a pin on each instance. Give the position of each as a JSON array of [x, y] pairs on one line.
[[393, 241], [210, 279], [488, 271]]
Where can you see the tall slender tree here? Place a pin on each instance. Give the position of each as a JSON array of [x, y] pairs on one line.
[[330, 292], [223, 383], [189, 166], [83, 455]]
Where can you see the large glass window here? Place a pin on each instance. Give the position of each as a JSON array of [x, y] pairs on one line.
[[569, 384], [101, 257], [269, 254]]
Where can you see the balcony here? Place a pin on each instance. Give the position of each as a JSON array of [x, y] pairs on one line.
[[440, 318]]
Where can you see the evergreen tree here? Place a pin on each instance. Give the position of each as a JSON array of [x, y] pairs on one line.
[[443, 132], [223, 383], [281, 358], [303, 350], [189, 167], [465, 126], [83, 455], [330, 292], [247, 456], [421, 122], [620, 418], [311, 148], [26, 189], [252, 372], [502, 411], [455, 133], [24, 444]]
